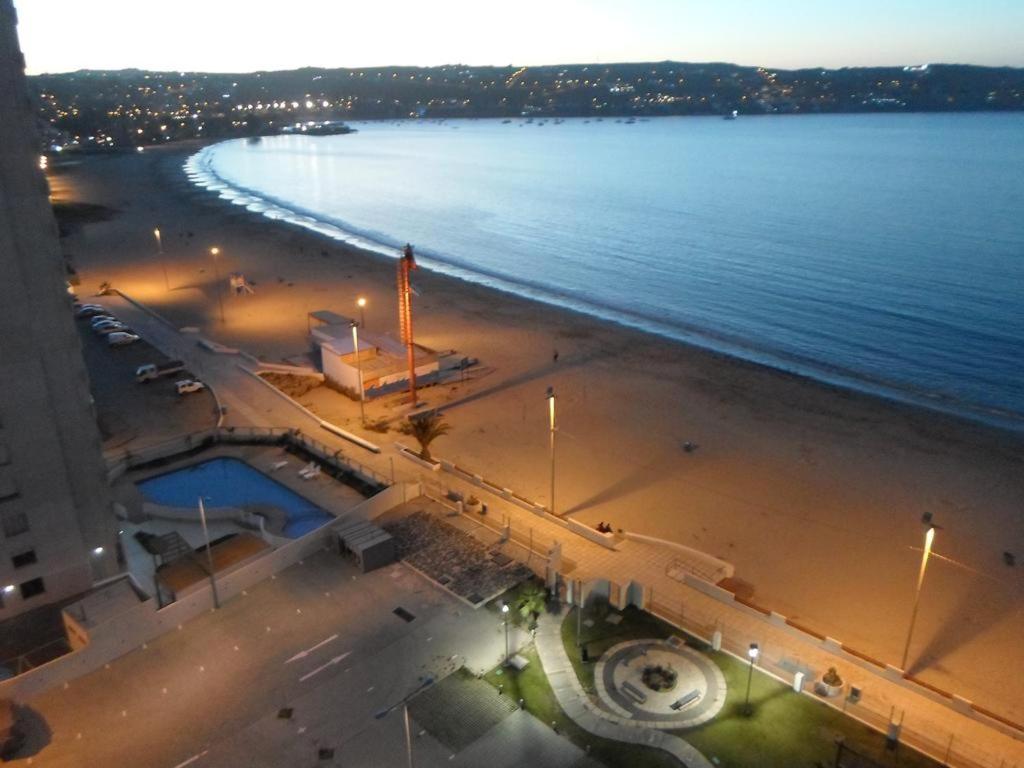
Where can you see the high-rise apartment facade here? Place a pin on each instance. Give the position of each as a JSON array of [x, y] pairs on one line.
[[57, 531]]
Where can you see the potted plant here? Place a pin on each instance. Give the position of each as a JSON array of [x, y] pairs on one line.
[[832, 683], [472, 504]]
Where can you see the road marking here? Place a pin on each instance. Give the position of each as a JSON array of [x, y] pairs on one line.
[[191, 759], [322, 667], [305, 653]]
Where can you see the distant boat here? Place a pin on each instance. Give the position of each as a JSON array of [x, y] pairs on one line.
[[505, 122], [731, 115]]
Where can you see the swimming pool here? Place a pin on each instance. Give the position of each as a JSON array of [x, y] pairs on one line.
[[227, 482]]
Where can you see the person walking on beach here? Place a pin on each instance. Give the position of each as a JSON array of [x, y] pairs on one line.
[[554, 357]]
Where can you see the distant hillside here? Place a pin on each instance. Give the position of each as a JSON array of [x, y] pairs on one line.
[[134, 107]]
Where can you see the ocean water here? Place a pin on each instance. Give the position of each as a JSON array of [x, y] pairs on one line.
[[880, 252]]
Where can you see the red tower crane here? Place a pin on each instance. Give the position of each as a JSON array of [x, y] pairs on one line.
[[405, 265]]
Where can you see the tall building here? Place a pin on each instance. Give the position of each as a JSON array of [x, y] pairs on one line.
[[57, 530]]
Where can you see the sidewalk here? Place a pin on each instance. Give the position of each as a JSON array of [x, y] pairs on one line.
[[577, 705]]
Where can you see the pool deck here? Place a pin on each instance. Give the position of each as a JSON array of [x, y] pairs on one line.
[[228, 555], [332, 496]]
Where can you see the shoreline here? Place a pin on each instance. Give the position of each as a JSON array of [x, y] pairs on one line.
[[813, 491], [335, 233], [841, 383]]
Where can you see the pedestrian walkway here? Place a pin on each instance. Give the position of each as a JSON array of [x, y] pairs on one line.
[[578, 706]]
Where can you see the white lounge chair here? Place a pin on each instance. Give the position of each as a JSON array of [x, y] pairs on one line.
[[278, 465], [311, 474]]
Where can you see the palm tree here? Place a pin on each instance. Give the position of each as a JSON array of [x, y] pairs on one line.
[[426, 428], [531, 601]]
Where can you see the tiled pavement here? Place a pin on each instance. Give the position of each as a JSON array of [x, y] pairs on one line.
[[586, 714]]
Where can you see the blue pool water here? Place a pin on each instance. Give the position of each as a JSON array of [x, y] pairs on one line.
[[229, 482]]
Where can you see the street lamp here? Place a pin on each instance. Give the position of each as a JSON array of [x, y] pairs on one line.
[[504, 615], [929, 537], [361, 302], [160, 253], [209, 554], [359, 367], [753, 651], [551, 422], [216, 273]]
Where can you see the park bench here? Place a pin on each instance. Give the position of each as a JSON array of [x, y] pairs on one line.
[[633, 692], [689, 698]]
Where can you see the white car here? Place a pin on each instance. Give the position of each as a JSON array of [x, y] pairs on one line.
[[97, 319], [120, 338], [185, 386], [106, 330]]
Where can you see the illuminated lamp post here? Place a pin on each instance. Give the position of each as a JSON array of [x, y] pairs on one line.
[[163, 263], [361, 302], [216, 274], [504, 616], [752, 652], [551, 429], [929, 537], [359, 367]]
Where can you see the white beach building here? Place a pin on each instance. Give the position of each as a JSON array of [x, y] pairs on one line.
[[383, 360]]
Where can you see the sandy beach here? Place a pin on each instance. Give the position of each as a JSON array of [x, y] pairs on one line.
[[814, 493]]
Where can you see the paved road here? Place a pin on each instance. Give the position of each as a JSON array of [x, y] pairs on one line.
[[321, 638]]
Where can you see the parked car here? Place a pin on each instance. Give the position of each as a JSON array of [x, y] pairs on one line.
[[185, 386], [89, 310], [121, 338], [105, 321], [151, 371], [97, 319], [106, 330]]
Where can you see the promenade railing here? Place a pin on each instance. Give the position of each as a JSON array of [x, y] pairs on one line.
[[120, 461]]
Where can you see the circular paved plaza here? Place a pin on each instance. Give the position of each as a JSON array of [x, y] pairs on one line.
[[695, 692]]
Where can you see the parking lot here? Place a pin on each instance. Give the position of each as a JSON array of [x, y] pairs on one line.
[[131, 414]]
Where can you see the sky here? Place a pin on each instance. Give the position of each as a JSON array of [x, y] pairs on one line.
[[238, 36]]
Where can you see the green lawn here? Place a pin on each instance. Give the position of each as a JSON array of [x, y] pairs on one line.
[[784, 729]]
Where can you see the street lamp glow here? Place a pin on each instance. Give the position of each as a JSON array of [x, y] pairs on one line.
[[8, 589], [98, 551], [504, 607], [753, 651], [361, 303]]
